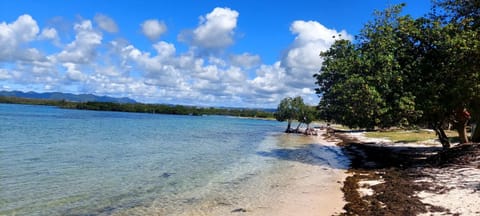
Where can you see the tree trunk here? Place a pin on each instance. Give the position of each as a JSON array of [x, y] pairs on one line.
[[441, 135], [462, 132], [476, 133], [307, 131], [298, 127], [289, 130], [461, 118]]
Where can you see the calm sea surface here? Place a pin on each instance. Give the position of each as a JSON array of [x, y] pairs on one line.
[[70, 162]]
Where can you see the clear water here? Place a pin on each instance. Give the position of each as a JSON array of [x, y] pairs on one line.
[[70, 162]]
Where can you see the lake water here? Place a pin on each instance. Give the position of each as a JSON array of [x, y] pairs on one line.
[[70, 162]]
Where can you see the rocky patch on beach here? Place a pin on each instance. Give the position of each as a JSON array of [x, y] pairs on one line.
[[396, 179]]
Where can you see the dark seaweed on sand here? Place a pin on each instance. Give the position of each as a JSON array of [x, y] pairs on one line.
[[398, 168]]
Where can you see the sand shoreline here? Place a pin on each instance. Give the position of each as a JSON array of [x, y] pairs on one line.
[[304, 176], [310, 191], [307, 182]]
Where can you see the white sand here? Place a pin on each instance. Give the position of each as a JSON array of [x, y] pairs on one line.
[[462, 190]]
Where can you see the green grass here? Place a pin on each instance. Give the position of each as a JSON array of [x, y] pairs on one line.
[[341, 127], [408, 136]]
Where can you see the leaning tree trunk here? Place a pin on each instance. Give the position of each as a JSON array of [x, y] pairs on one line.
[[298, 127], [441, 135]]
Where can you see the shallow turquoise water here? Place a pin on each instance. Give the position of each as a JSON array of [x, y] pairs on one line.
[[70, 162]]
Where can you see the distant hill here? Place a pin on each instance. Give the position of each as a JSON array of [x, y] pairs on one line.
[[65, 96]]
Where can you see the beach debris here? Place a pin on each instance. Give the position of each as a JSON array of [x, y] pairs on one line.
[[239, 210]]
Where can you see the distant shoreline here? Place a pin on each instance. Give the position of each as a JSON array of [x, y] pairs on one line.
[[143, 108]]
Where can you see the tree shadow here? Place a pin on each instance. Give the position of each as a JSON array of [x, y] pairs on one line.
[[313, 154], [370, 156]]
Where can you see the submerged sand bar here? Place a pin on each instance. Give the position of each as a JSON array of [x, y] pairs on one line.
[[304, 176]]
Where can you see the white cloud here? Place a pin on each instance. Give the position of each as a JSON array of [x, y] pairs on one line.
[[72, 73], [49, 34], [25, 28], [83, 49], [4, 74], [163, 73], [269, 79], [245, 60], [164, 49], [302, 59], [153, 28], [215, 30], [106, 23], [13, 35]]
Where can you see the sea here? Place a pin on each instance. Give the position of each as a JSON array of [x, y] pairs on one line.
[[57, 161]]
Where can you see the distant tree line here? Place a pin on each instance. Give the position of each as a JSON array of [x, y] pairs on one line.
[[143, 108]]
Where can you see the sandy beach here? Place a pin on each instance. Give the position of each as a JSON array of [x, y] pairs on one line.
[[311, 189]]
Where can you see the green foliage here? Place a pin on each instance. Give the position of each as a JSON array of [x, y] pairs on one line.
[[363, 84], [405, 71], [307, 115], [290, 109]]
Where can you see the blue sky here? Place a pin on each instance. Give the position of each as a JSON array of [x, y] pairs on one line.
[[213, 53]]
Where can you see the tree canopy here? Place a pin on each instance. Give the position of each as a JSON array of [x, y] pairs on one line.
[[402, 71], [294, 109]]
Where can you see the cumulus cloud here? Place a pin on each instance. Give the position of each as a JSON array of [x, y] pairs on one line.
[[163, 73], [106, 23], [72, 73], [49, 34], [4, 74], [13, 35], [153, 28], [83, 49], [245, 60], [215, 30], [302, 60], [164, 49]]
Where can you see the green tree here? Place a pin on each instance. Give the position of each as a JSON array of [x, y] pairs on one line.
[[307, 115], [448, 50], [288, 110], [362, 85], [403, 71]]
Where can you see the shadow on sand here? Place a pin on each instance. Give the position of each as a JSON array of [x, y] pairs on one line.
[[313, 154]]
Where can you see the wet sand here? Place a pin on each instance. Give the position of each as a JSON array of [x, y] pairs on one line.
[[307, 182], [303, 177]]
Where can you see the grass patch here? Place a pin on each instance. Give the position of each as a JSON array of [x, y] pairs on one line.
[[341, 127], [408, 136]]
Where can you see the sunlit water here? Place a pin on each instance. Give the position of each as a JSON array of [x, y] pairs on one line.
[[70, 162]]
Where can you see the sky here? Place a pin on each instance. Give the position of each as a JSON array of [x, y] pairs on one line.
[[237, 53]]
